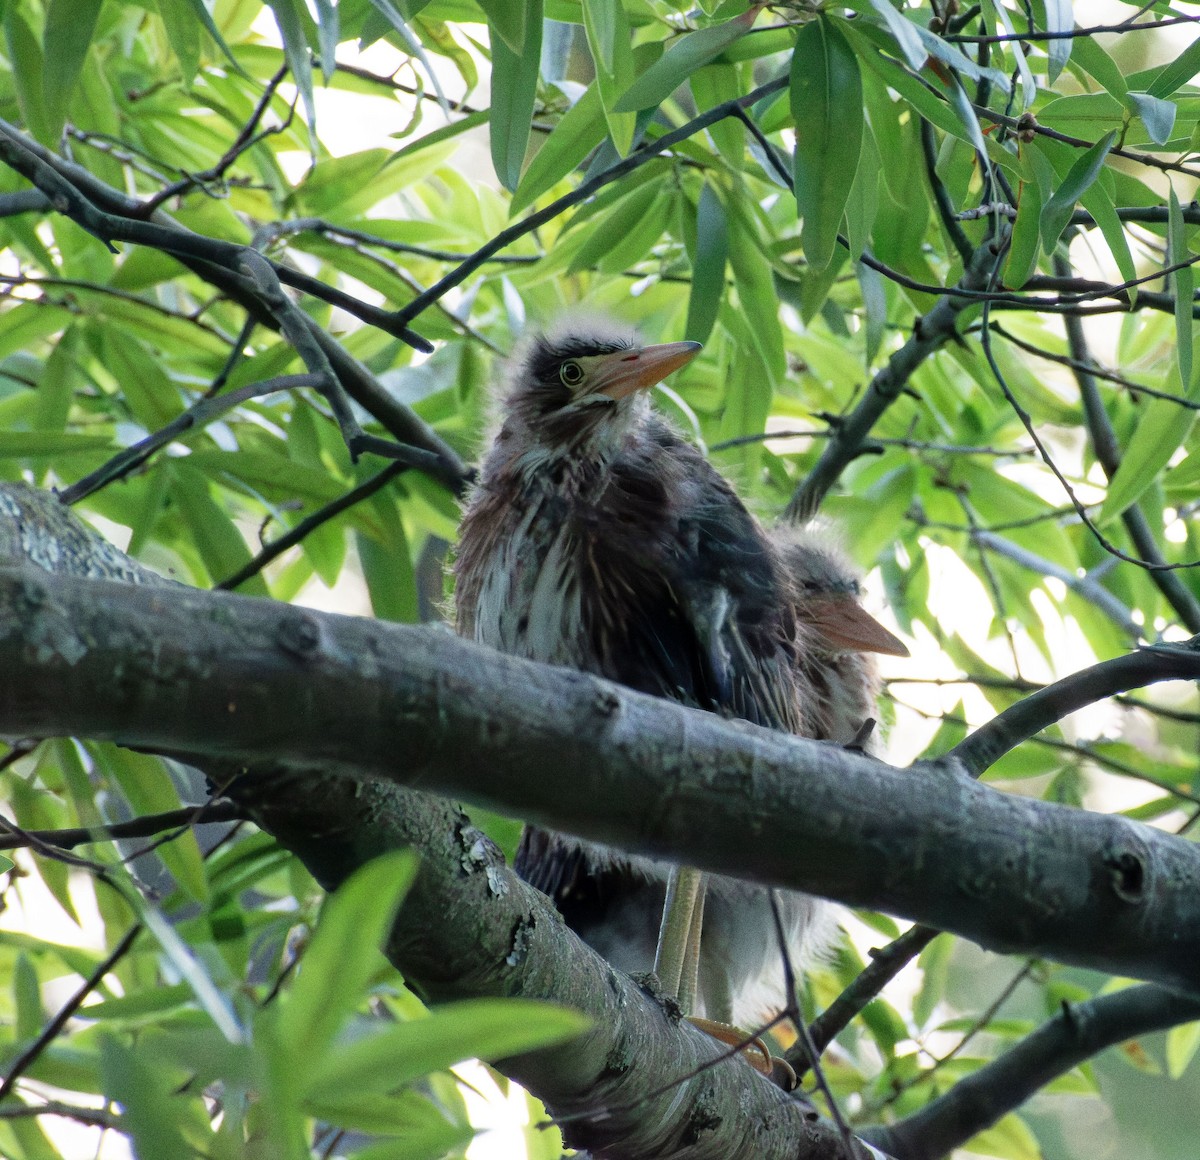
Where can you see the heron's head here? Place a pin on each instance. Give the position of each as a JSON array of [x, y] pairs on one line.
[[577, 391]]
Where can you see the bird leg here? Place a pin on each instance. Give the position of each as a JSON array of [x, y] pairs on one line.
[[684, 888], [677, 965], [689, 982]]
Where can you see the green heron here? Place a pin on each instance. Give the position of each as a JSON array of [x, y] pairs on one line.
[[597, 537], [826, 591]]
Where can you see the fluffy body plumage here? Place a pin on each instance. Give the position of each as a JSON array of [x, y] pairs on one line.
[[838, 664], [598, 538]]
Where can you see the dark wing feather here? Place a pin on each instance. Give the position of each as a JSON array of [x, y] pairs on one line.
[[611, 906], [737, 627]]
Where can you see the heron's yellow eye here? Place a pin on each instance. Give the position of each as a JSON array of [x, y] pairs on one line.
[[571, 374]]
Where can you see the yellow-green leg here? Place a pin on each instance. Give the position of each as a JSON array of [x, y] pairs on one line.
[[685, 891]]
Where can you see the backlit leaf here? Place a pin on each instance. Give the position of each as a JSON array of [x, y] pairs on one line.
[[826, 101]]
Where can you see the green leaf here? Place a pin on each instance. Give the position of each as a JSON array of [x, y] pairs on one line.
[[1182, 1043], [184, 34], [514, 89], [1181, 71], [826, 102], [577, 133], [220, 543], [1028, 86], [1097, 201], [150, 1113], [1010, 1139], [149, 790], [430, 1142], [615, 226], [1157, 115], [1162, 430], [27, 997], [905, 33], [708, 265], [328, 35], [473, 1029], [65, 42], [25, 60], [1184, 281], [295, 47], [345, 953], [1026, 237], [611, 45], [510, 19], [1059, 18], [683, 58], [1095, 61], [1079, 178], [387, 565]]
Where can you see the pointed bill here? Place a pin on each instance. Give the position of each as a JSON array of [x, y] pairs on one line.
[[846, 625], [625, 371]]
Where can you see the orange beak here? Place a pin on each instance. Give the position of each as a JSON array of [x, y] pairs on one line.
[[625, 371]]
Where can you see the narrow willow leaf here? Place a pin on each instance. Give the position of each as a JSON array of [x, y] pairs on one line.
[[713, 85], [1062, 202], [216, 536], [905, 32], [826, 101], [1184, 280], [183, 32], [687, 54], [345, 952], [1182, 1043], [610, 42], [615, 226], [147, 786], [960, 62], [1028, 85], [25, 55], [1099, 65], [201, 13], [708, 265], [961, 104], [328, 30], [387, 567], [149, 1110], [1157, 114], [863, 203], [1059, 18], [1161, 431], [295, 48], [65, 42], [514, 88], [874, 300], [1026, 238], [1010, 1139], [1098, 202], [1181, 71], [510, 19], [472, 1029]]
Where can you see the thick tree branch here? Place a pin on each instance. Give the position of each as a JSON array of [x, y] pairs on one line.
[[207, 673], [640, 1083], [469, 926]]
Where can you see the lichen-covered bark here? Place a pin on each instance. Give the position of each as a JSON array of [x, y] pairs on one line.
[[215, 674]]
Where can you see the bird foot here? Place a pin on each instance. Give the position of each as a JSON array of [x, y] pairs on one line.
[[753, 1050]]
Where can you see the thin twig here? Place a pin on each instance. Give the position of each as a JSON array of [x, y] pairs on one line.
[[30, 1055]]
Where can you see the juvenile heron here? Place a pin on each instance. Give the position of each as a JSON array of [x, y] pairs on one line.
[[598, 538]]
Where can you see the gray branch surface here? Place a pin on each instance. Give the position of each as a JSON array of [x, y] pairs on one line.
[[641, 1083], [223, 676]]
